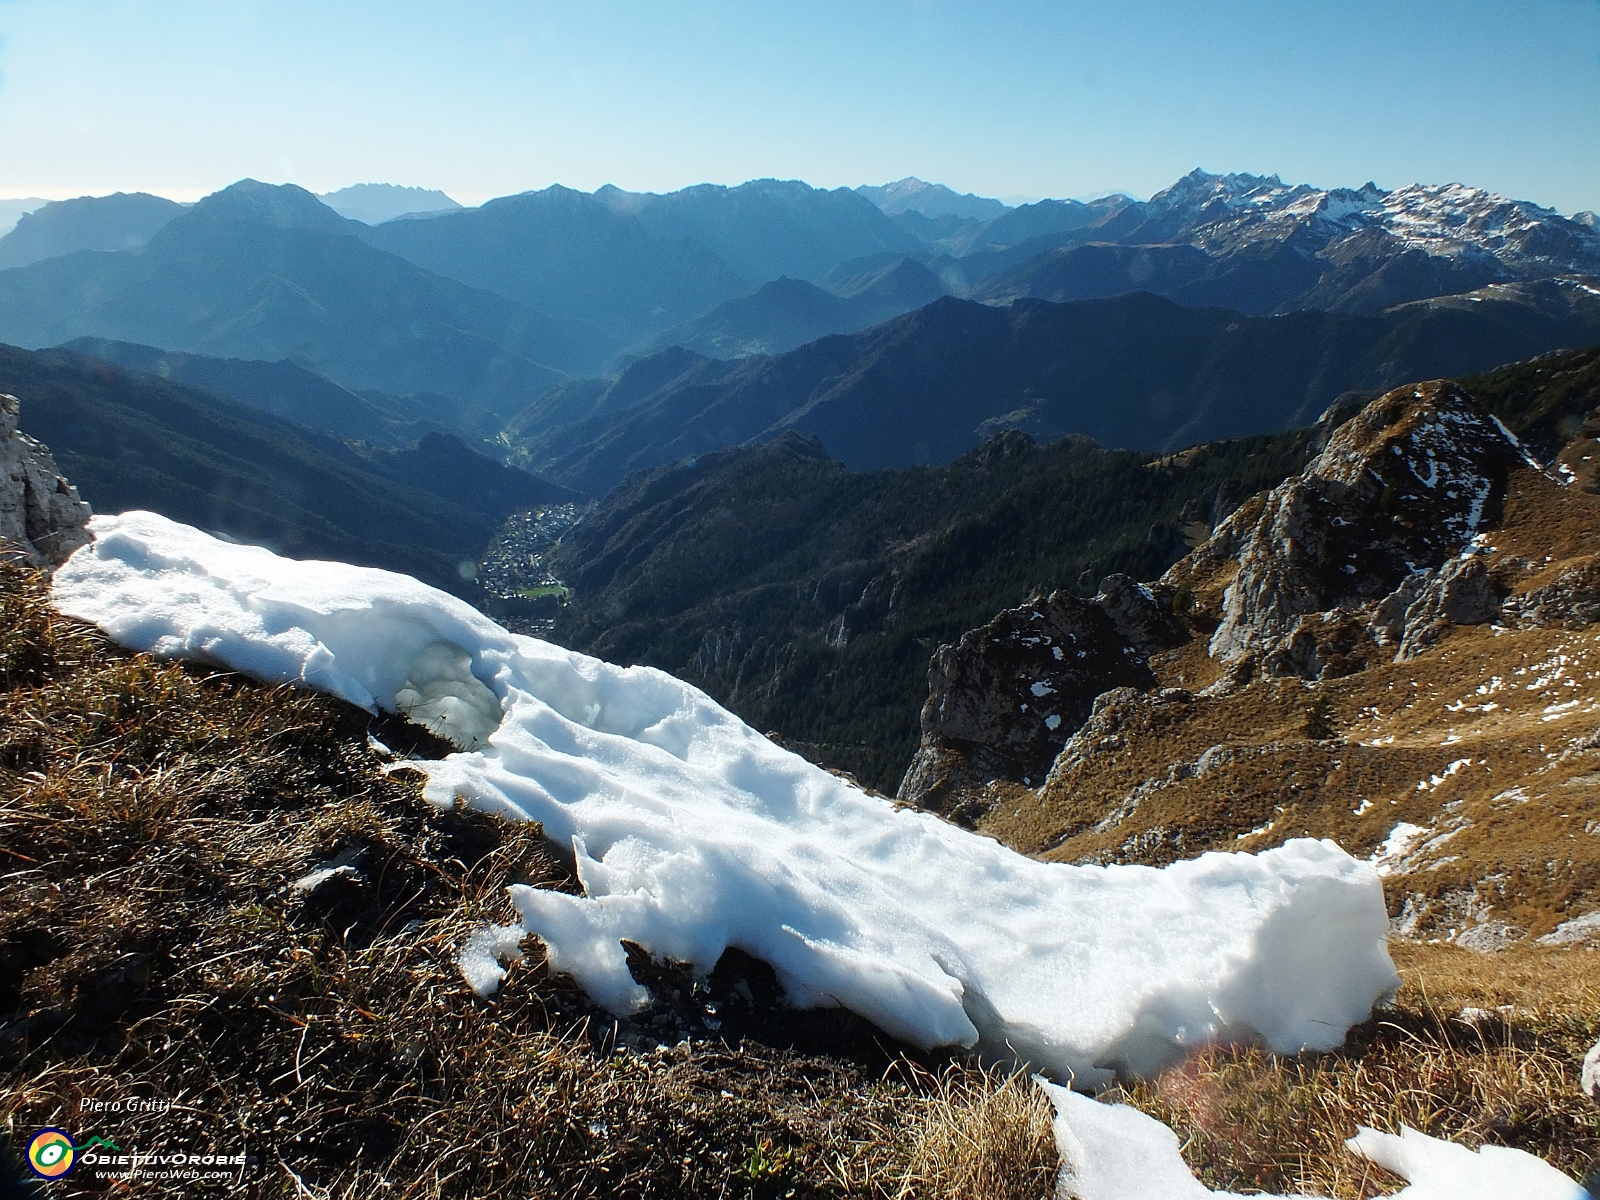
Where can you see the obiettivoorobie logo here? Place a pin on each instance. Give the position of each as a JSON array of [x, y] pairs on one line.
[[51, 1154]]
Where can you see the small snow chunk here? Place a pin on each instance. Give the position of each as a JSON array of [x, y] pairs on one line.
[[1040, 688], [1116, 1152], [1363, 810], [1433, 781], [1053, 722], [1055, 653], [483, 953], [342, 864], [1395, 847], [1553, 712]]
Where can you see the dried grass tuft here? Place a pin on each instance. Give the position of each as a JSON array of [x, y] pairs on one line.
[[1506, 1074], [982, 1135]]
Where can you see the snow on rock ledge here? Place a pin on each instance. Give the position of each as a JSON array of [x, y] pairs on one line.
[[693, 833], [1116, 1152]]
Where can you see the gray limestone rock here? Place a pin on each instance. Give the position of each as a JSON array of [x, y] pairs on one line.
[[1491, 937], [1399, 487], [42, 520], [1460, 592], [1573, 600]]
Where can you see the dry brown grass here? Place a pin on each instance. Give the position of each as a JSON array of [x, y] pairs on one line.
[[1253, 1120], [982, 1135]]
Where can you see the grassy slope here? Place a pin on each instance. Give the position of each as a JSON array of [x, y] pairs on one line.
[[154, 817]]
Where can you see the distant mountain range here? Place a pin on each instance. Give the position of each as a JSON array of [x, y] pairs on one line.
[[1257, 244], [11, 211], [263, 272], [787, 313], [375, 203], [123, 221], [1132, 371], [288, 390], [930, 200], [463, 320]]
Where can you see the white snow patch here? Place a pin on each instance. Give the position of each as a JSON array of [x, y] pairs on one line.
[[1395, 847], [1433, 781], [693, 833], [1116, 1152]]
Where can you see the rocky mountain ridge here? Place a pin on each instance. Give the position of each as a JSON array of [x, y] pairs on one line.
[[1394, 648], [1255, 243], [1225, 213], [936, 383]]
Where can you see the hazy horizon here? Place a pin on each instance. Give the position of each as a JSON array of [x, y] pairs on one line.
[[1010, 201]]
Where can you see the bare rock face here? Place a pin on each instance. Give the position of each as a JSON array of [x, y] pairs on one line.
[[42, 520], [1005, 699], [1460, 592], [1573, 600], [1399, 488]]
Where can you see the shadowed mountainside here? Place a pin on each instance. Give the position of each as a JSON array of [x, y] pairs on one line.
[[134, 441], [1134, 371]]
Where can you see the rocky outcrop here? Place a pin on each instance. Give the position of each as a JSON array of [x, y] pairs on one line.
[[1004, 700], [1400, 488], [1372, 554], [1459, 592], [1572, 600], [42, 520]]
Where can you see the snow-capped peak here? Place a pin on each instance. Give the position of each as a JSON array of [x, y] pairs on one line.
[[1220, 213]]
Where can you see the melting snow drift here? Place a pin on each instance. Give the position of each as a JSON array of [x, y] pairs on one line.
[[693, 833], [1116, 1152]]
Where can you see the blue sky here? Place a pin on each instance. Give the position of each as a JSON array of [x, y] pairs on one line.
[[487, 97]]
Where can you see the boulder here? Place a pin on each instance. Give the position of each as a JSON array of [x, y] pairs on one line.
[[1572, 600], [42, 520]]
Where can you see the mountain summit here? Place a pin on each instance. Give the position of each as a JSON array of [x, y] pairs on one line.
[[374, 203], [930, 199]]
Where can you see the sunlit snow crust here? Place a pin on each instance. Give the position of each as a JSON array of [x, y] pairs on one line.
[[693, 833]]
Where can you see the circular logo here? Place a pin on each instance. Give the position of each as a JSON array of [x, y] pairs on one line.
[[51, 1154]]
